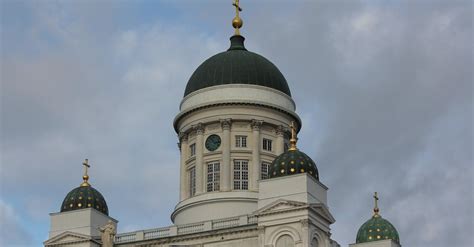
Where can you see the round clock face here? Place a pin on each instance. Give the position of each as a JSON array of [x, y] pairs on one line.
[[213, 142]]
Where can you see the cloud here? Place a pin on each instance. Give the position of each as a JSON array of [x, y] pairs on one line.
[[384, 91], [12, 233]]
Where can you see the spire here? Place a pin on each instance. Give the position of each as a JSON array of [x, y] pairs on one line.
[[376, 207], [237, 21], [293, 139], [85, 177]]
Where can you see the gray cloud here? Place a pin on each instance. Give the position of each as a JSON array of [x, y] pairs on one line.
[[384, 91]]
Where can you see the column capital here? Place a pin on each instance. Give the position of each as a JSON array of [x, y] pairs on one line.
[[199, 128], [226, 123], [304, 223], [256, 124], [183, 136], [280, 130]]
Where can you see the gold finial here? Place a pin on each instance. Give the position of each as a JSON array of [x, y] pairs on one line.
[[85, 177], [376, 208], [293, 139], [237, 21]]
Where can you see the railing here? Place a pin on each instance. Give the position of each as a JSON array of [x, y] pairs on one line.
[[157, 233], [125, 237], [225, 223], [252, 219], [191, 228], [185, 229]]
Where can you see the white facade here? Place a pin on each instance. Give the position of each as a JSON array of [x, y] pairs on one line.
[[77, 228], [243, 117]]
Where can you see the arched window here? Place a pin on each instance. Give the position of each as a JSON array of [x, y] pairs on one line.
[[285, 241], [314, 243]]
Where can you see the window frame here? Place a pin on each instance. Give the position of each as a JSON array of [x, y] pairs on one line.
[[267, 168], [213, 176], [240, 141], [192, 150], [267, 144], [240, 178], [192, 181]]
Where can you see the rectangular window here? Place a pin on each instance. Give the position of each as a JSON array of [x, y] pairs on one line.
[[241, 175], [267, 144], [192, 181], [241, 141], [213, 176], [192, 149], [264, 170]]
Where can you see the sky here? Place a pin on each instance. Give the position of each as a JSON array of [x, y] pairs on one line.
[[384, 90]]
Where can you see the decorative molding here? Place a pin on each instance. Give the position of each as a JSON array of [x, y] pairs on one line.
[[280, 130], [187, 112], [68, 237], [304, 223], [183, 136], [246, 232], [199, 128], [256, 124], [226, 124], [281, 206]]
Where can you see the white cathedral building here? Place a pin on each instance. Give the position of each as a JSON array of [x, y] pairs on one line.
[[243, 181]]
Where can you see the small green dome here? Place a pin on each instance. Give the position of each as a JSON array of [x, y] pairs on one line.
[[377, 228], [237, 66], [84, 196], [293, 162]]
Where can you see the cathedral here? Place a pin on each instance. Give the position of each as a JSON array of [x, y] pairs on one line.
[[243, 179]]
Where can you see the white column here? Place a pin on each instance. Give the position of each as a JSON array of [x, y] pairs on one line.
[[305, 235], [226, 165], [255, 169], [200, 178], [280, 140], [183, 183]]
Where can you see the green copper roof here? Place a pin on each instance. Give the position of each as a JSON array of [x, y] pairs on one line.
[[293, 162], [377, 228], [84, 197], [237, 66]]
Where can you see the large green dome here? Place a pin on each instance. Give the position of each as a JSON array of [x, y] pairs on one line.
[[237, 66], [84, 196], [377, 228], [292, 162]]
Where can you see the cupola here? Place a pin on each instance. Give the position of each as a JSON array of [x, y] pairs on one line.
[[377, 228], [293, 161], [84, 196]]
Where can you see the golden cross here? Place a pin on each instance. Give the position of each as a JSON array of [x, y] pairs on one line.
[[376, 208], [237, 22], [293, 139], [293, 130], [85, 177], [86, 165], [237, 7]]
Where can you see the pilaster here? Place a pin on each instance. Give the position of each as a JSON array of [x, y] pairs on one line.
[[199, 128], [280, 140], [183, 188], [226, 163], [255, 172]]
